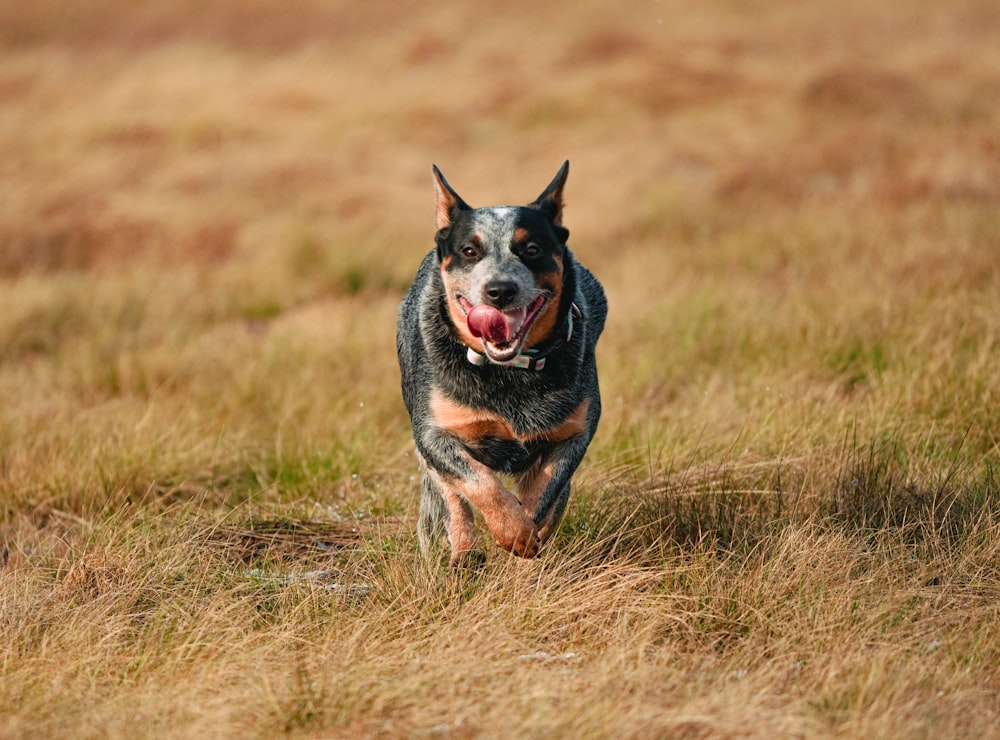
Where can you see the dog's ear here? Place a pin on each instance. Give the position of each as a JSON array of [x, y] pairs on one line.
[[550, 202], [448, 203]]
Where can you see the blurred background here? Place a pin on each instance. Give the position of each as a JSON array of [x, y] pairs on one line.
[[182, 132], [213, 209]]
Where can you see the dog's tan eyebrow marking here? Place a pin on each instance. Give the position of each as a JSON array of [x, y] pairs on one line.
[[520, 234]]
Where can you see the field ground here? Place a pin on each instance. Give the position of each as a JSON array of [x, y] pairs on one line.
[[789, 522]]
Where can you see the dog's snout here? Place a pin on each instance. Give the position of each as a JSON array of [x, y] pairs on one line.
[[501, 292]]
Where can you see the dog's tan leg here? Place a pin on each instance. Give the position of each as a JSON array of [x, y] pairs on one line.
[[461, 526], [544, 487], [510, 523], [532, 482], [531, 485]]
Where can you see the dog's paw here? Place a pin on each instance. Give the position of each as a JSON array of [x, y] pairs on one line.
[[518, 535]]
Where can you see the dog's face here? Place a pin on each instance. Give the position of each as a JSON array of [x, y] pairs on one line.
[[502, 268]]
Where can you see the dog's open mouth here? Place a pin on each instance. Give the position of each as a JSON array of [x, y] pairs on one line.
[[502, 332]]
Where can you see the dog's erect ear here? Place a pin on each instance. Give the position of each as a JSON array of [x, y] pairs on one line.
[[448, 203], [550, 202]]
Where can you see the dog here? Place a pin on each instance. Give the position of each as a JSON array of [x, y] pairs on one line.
[[496, 344]]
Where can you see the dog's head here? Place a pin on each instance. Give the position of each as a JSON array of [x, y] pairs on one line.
[[502, 268]]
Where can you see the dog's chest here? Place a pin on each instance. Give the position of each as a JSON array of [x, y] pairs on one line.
[[472, 425]]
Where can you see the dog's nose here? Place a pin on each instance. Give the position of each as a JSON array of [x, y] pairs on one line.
[[501, 292]]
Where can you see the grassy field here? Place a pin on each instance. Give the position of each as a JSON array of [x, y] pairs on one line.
[[789, 522]]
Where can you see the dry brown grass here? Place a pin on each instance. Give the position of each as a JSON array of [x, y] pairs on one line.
[[789, 523]]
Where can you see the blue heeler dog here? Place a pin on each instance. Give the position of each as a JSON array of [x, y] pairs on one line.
[[496, 343]]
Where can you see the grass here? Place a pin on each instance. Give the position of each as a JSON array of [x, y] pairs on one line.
[[788, 523]]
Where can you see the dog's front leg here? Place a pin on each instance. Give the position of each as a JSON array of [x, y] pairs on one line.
[[545, 486], [462, 479]]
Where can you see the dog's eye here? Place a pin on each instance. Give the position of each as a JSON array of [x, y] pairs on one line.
[[470, 251], [531, 250]]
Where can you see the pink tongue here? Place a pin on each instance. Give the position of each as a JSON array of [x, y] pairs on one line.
[[488, 323]]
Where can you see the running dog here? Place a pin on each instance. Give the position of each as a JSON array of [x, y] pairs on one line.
[[496, 341]]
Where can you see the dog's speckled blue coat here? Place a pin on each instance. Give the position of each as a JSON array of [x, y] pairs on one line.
[[433, 363]]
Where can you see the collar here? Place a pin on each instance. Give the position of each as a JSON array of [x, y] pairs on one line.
[[530, 359]]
